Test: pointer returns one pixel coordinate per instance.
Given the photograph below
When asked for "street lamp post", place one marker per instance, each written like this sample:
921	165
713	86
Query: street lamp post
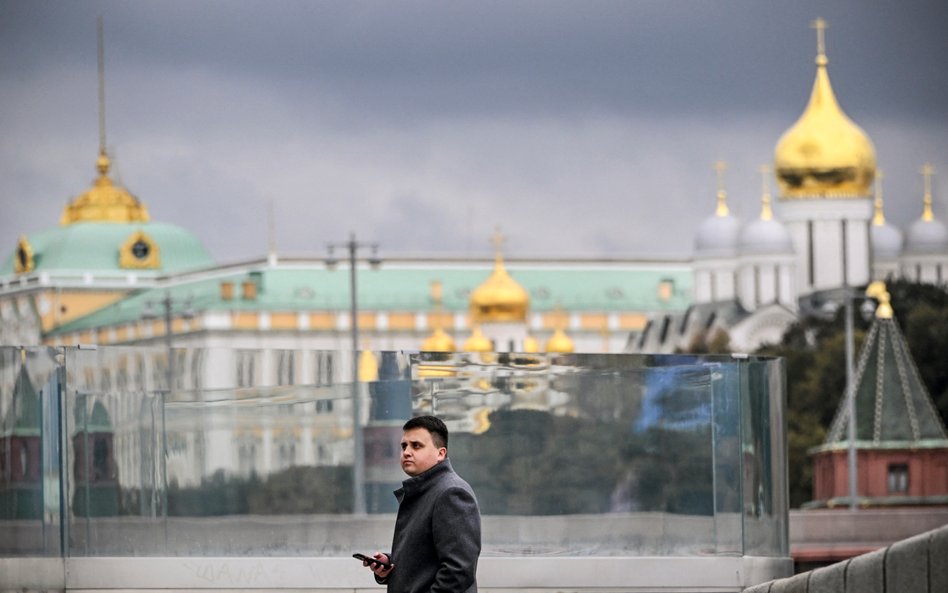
353	246
850	398
168	306
866	310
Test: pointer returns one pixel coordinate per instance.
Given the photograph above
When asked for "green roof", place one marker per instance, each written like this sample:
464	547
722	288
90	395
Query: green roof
407	288
94	247
892	403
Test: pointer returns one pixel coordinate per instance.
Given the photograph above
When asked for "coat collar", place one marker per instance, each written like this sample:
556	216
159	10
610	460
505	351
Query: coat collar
415	485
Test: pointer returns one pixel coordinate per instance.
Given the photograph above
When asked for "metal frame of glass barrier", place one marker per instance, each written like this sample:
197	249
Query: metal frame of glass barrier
570	455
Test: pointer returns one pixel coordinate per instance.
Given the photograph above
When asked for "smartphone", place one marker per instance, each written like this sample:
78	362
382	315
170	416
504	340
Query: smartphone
370	559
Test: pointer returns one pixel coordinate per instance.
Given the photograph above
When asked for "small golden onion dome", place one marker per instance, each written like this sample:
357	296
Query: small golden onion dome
824	154
478	342
104	201
531	344
559	342
438	341
877	290
499	298
368	367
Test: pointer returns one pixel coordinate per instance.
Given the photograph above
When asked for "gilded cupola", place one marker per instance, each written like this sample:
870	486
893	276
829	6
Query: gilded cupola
500	298
104	201
824	154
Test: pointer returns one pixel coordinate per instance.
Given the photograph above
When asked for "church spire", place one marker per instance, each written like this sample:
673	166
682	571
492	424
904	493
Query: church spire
104	201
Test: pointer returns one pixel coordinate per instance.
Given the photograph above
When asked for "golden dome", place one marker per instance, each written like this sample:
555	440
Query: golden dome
531	345
478	342
824	154
877	290
438	341
499	298
559	342
104	201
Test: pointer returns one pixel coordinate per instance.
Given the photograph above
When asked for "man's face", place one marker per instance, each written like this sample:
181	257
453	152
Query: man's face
419	453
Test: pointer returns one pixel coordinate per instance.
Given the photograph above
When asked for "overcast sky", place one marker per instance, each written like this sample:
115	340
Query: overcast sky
582	128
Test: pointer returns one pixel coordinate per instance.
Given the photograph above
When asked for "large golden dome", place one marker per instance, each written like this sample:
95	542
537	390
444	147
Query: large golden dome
824	154
499	298
104	201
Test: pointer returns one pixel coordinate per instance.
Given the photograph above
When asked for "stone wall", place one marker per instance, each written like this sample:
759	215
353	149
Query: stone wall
915	565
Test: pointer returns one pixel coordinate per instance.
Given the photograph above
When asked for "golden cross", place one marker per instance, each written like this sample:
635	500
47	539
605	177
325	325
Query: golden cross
927	171
821	26
878	217
764	171
497	239
720	167
722	209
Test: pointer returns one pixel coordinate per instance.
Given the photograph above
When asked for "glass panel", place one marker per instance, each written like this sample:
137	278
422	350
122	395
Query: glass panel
764	446
30	452
575	455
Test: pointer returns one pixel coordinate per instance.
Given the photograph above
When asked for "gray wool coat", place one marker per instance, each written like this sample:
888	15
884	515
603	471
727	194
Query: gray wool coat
437	534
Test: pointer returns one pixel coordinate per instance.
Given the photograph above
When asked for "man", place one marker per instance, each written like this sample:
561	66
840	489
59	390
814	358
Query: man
438	529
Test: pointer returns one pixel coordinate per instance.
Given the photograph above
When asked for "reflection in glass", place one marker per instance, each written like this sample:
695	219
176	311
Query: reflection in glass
252	452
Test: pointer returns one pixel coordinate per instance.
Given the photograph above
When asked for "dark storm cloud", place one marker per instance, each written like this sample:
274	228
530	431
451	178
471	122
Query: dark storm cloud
585	127
449	58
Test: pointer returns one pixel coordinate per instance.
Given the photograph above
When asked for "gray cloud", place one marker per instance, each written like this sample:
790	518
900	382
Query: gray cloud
583	128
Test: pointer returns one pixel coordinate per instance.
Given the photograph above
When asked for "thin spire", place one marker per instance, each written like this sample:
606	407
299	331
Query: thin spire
766	213
927	171
821	26
878	217
722	211
497	240
101	49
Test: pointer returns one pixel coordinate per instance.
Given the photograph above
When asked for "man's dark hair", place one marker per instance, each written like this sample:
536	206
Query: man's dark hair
439	432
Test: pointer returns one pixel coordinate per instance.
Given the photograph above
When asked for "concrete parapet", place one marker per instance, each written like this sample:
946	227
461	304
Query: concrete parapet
918	564
906	565
761	588
829	579
938	560
866	573
795	584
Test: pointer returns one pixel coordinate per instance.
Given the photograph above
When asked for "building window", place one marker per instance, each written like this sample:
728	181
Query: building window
324	368
246	363
324	406
286	367
898	478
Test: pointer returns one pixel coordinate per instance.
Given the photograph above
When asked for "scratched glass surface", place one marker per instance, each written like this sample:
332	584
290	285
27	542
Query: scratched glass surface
227	452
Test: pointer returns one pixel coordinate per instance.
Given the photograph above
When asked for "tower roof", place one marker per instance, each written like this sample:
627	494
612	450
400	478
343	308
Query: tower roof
719	234
824	154
927	234
886	240
766	235
893	407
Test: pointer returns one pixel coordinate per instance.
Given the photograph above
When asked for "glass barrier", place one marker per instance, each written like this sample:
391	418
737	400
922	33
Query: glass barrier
228	452
31	470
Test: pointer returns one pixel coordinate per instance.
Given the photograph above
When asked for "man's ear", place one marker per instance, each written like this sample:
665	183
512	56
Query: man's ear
442	453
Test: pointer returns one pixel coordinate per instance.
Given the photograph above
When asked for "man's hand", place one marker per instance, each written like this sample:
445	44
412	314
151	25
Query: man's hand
377	568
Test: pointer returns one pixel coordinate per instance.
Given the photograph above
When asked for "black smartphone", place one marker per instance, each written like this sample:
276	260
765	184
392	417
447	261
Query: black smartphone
370	559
